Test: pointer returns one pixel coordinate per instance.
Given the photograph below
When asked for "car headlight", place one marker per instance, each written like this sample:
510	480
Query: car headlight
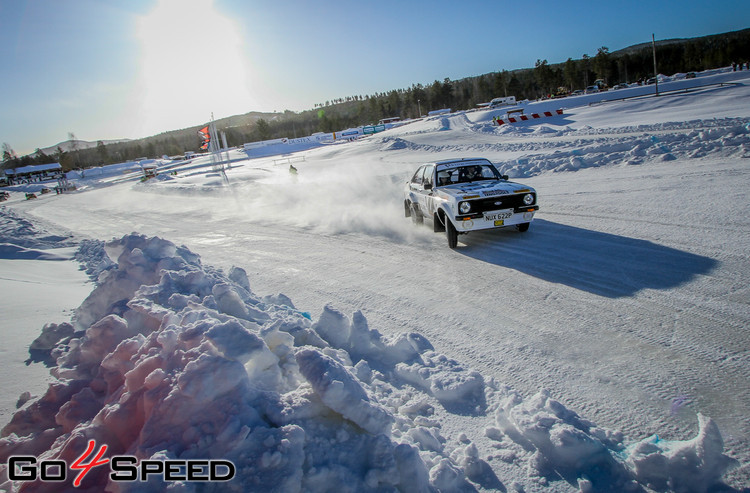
464	207
528	199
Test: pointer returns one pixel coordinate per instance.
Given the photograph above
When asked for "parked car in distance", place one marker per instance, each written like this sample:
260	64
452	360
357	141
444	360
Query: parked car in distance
506	101
620	86
652	80
577	92
592	90
470	194
690	75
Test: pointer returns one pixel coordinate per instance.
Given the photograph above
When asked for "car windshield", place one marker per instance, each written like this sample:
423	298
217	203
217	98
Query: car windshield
467	174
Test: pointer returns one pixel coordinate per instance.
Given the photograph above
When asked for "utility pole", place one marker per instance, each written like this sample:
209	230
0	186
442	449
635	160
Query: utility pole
656	73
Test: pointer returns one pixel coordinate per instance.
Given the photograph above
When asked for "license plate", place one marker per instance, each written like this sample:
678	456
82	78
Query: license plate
498	217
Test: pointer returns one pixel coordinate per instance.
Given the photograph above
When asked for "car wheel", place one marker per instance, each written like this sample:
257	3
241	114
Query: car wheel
451	233
416	216
407	209
523	227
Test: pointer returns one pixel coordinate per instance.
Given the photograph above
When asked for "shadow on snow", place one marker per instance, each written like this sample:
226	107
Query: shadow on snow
600	263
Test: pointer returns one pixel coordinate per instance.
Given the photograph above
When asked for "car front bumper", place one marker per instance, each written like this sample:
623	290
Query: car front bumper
494	219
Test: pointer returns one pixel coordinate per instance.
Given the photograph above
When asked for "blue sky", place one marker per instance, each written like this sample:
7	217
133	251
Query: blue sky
109	69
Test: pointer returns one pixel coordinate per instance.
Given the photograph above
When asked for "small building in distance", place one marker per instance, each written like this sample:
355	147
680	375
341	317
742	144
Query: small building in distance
32	173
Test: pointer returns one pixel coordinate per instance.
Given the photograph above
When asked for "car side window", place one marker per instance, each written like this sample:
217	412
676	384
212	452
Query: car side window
428	171
417	178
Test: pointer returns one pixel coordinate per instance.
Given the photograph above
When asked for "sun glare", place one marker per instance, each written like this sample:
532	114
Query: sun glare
192	64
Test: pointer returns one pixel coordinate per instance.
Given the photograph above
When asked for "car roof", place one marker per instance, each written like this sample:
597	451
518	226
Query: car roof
455	163
461	160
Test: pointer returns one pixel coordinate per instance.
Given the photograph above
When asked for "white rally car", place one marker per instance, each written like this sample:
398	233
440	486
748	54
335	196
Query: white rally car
462	195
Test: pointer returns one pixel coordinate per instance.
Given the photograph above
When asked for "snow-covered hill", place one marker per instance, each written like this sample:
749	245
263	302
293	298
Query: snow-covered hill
76	145
604	350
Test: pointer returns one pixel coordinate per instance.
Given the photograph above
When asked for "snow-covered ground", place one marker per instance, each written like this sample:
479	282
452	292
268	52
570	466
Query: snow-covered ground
606	349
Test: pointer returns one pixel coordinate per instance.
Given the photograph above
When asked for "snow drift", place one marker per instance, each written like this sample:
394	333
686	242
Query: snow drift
168	358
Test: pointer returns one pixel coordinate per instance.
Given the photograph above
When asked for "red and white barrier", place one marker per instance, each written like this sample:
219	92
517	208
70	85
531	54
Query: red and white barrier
523	118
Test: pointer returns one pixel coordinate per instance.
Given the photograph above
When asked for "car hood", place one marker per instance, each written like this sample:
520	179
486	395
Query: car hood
479	189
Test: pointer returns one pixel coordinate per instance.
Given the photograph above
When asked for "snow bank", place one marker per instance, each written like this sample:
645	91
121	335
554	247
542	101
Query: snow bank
563	445
19	231
689	465
587	147
10	251
168	358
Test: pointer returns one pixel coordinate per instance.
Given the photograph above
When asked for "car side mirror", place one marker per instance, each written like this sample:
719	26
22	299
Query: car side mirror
428	186
504	177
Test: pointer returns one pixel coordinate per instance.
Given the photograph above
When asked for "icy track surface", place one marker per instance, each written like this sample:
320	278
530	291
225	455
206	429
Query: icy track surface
627	303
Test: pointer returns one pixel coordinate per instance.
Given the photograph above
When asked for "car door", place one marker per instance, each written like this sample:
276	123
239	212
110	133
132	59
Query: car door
420	188
425	190
415	186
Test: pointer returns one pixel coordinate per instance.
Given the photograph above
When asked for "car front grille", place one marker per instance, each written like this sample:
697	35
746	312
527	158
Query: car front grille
500	202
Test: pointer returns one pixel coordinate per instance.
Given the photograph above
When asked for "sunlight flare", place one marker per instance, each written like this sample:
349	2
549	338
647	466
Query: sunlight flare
192	64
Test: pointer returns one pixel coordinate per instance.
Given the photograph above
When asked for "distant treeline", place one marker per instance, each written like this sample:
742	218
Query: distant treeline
628	65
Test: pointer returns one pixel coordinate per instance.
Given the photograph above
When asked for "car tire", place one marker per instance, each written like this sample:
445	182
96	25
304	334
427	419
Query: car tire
523	227
416	216
407	209
451	233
